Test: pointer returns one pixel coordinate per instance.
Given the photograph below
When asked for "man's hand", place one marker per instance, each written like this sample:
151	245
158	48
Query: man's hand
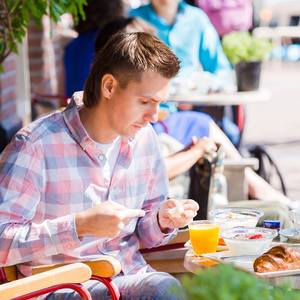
181	212
106	219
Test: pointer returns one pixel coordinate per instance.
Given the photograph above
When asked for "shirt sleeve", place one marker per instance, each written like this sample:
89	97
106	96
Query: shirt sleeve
21	182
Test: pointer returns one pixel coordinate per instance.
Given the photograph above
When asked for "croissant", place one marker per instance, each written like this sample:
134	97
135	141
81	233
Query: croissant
278	258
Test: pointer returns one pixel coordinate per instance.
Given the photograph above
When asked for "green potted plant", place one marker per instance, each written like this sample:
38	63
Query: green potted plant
225	282
246	54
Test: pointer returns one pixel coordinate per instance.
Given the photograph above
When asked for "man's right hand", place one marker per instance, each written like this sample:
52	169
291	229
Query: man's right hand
106	219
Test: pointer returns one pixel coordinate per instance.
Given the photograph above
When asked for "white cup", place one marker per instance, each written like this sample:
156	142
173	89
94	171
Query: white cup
295	218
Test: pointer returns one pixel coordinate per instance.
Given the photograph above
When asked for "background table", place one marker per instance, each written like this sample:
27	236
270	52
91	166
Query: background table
214	104
222	99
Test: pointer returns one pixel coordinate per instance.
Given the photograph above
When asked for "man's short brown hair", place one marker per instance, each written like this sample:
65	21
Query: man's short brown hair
126	56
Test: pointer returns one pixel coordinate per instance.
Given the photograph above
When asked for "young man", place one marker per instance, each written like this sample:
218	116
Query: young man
74	185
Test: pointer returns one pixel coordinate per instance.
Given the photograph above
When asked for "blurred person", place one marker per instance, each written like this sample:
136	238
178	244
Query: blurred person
189	33
79	53
75	185
228	15
181	152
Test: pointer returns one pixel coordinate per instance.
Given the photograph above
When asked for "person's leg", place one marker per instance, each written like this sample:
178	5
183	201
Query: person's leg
231	130
258	187
185	124
148	286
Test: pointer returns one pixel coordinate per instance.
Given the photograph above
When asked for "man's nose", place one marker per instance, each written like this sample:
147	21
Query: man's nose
152	115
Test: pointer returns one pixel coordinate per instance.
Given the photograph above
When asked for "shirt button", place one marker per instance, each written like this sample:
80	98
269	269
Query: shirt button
69	246
101	156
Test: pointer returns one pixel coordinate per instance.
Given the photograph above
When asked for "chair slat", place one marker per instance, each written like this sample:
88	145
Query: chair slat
75	273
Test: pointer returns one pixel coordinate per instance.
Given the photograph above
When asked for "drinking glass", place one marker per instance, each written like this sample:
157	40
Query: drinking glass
204	236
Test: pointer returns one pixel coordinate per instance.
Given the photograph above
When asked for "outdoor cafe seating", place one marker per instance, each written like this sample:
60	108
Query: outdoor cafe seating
46	279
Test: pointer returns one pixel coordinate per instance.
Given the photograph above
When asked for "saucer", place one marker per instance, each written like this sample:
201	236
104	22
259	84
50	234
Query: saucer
290	233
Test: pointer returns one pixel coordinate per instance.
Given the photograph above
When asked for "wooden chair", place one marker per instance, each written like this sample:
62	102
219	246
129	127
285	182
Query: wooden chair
46	279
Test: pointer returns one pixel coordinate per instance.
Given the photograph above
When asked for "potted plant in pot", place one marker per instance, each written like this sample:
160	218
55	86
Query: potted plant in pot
246	54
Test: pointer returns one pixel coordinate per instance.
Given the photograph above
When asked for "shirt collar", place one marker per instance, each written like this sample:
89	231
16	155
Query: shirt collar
73	122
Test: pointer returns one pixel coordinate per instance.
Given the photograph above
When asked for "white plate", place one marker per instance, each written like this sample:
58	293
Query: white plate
290	233
246	263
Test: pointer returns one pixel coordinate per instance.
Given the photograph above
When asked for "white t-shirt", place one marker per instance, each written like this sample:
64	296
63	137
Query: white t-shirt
111	152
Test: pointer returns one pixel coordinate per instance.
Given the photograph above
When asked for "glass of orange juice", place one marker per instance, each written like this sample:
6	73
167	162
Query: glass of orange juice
204	236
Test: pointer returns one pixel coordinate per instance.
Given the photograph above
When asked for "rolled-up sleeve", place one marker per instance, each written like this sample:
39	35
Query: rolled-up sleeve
21	239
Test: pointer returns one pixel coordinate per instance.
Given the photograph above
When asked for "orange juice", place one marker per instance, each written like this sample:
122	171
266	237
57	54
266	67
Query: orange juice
204	236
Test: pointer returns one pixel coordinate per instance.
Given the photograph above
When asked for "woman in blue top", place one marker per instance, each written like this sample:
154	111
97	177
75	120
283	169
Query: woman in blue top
189	33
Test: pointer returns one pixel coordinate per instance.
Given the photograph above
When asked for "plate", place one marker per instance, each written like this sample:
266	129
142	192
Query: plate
245	263
290	233
219	247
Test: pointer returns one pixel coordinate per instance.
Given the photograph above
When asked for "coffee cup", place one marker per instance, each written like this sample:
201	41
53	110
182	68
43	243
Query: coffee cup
295	218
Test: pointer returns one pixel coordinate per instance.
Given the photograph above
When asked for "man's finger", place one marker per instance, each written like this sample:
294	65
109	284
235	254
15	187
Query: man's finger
191	204
132	213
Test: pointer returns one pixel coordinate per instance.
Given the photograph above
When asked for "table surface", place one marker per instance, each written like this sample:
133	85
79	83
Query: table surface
222	99
193	264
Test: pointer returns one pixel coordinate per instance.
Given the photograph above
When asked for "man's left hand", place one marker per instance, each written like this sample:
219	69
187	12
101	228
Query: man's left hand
179	214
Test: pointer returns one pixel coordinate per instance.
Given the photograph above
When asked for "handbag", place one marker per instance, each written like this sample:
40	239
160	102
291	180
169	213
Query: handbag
204	181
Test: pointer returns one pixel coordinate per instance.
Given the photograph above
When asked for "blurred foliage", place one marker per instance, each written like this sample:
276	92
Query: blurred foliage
242	46
225	282
16	14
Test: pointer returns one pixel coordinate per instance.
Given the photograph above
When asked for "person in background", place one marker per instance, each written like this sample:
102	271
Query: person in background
182	152
190	34
79	53
228	15
91	180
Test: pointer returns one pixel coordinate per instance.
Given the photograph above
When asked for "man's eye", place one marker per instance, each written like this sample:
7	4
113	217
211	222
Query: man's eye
144	102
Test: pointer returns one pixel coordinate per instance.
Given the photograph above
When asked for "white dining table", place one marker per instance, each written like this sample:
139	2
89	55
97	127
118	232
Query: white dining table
222	98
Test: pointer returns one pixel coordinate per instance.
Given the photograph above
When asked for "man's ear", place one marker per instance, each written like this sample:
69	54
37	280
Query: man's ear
107	84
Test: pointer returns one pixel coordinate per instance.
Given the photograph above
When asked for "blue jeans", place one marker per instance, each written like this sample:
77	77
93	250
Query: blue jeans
148	286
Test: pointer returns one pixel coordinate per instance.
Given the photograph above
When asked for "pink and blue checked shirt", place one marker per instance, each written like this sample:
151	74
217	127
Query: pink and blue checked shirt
52	170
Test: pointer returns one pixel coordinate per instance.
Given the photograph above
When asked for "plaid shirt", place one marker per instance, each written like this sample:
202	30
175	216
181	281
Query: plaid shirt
52	170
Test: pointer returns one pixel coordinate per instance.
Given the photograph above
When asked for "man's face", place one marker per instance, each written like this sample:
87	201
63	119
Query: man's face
132	108
160	3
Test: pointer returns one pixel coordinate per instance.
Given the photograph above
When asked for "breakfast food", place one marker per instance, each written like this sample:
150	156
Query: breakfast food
248	240
221	242
176	211
230	219
248	236
278	258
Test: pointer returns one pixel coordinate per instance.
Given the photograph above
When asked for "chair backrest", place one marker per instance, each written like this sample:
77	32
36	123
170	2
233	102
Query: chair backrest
205	175
8	274
69	276
100	269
